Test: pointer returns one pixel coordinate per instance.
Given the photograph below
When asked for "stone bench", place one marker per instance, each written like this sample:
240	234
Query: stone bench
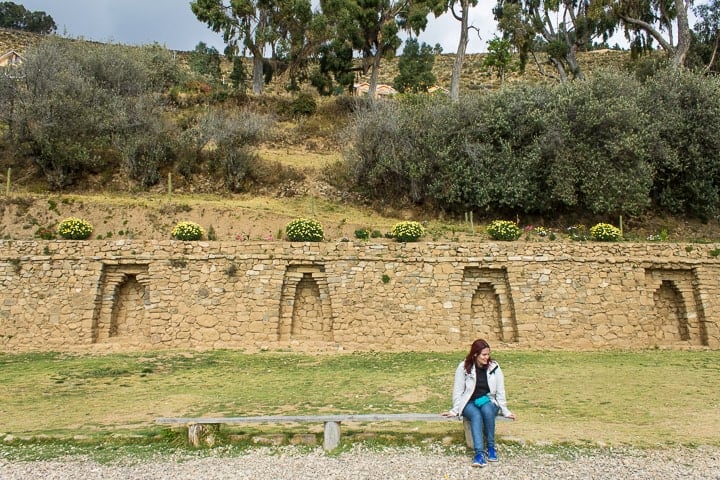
331	439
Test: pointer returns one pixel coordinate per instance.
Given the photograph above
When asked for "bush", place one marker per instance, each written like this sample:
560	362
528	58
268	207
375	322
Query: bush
604	232
304	230
362	233
100	97
73	228
504	230
303	105
407	231
187	231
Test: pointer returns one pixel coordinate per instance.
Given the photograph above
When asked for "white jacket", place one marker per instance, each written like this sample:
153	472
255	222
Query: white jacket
465	386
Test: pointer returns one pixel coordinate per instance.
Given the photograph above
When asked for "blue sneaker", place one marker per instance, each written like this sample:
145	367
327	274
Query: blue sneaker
492	454
479	461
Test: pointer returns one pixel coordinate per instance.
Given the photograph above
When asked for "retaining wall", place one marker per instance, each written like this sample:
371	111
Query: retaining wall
128	295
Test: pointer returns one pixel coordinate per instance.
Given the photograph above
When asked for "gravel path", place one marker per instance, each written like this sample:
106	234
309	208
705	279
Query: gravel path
390	463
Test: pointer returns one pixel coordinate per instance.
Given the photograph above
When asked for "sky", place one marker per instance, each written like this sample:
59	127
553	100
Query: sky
171	23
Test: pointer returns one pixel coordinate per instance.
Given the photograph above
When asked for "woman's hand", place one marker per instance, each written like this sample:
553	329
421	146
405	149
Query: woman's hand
511	416
448	414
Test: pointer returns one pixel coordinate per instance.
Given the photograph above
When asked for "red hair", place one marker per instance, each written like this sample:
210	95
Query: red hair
477	346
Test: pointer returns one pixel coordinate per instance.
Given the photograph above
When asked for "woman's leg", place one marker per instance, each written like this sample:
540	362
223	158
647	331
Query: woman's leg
488	412
473	413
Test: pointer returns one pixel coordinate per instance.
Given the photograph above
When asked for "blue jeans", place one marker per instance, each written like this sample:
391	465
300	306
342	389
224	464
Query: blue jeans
481	419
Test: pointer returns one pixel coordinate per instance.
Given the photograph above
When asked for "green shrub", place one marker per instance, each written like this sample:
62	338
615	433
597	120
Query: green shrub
376	234
604	232
73	228
187	231
407	231
304	230
303	105
504	230
362	233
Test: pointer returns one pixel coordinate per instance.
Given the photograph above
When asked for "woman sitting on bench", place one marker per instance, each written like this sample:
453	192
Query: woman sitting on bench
479	395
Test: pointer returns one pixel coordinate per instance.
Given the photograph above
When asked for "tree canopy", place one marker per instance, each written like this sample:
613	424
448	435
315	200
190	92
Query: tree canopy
664	22
559	27
415	66
18	17
257	26
372	28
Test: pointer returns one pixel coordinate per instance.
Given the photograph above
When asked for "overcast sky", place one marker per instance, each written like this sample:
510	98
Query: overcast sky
172	23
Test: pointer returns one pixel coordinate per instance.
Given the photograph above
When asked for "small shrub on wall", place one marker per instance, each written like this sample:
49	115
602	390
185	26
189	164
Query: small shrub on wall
504	230
304	230
604	232
362	234
73	228
407	231
187	231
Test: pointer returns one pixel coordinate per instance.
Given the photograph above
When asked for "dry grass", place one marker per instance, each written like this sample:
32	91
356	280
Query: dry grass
152	216
299	158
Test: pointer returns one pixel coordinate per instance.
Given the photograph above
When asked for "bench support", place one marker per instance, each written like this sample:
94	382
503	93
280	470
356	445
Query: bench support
331	438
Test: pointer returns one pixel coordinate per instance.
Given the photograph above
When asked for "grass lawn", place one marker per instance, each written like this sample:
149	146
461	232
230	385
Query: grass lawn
643	399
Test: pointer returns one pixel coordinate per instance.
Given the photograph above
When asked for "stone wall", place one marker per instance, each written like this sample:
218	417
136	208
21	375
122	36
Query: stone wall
129	295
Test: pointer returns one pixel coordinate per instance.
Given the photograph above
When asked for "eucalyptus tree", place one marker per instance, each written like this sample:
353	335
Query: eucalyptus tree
560	27
662	21
460	10
257	26
372	27
707	30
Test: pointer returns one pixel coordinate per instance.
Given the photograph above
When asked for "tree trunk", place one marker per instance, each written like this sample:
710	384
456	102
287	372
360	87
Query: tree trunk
560	69
374	75
573	64
256	47
714	54
460	56
258	77
684	36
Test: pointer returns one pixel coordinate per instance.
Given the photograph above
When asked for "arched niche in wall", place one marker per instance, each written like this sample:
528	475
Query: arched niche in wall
489	312
678	312
120	307
305	309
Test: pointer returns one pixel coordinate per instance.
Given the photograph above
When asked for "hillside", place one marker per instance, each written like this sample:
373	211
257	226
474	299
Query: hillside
298	155
475	76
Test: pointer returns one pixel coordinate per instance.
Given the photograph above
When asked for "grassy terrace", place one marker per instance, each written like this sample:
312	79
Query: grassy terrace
642	399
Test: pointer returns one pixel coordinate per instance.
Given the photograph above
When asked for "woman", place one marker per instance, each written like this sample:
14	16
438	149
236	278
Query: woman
479	395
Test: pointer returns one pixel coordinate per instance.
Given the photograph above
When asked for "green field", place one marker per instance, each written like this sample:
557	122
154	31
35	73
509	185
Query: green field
643	399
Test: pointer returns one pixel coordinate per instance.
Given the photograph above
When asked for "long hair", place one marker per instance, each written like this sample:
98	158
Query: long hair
477	346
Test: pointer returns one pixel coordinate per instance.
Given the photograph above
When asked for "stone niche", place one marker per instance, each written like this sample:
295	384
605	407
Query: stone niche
489	312
121	305
678	312
305	310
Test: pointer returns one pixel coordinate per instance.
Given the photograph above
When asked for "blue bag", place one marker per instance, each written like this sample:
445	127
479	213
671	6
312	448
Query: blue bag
479	402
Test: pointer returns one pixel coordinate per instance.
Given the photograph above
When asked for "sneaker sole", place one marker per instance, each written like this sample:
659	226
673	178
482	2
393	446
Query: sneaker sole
479	465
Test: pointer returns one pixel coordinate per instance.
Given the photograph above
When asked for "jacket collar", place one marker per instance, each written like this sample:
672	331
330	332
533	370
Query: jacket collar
492	366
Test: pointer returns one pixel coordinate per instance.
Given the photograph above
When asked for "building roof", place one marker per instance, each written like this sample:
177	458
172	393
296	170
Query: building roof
11	57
